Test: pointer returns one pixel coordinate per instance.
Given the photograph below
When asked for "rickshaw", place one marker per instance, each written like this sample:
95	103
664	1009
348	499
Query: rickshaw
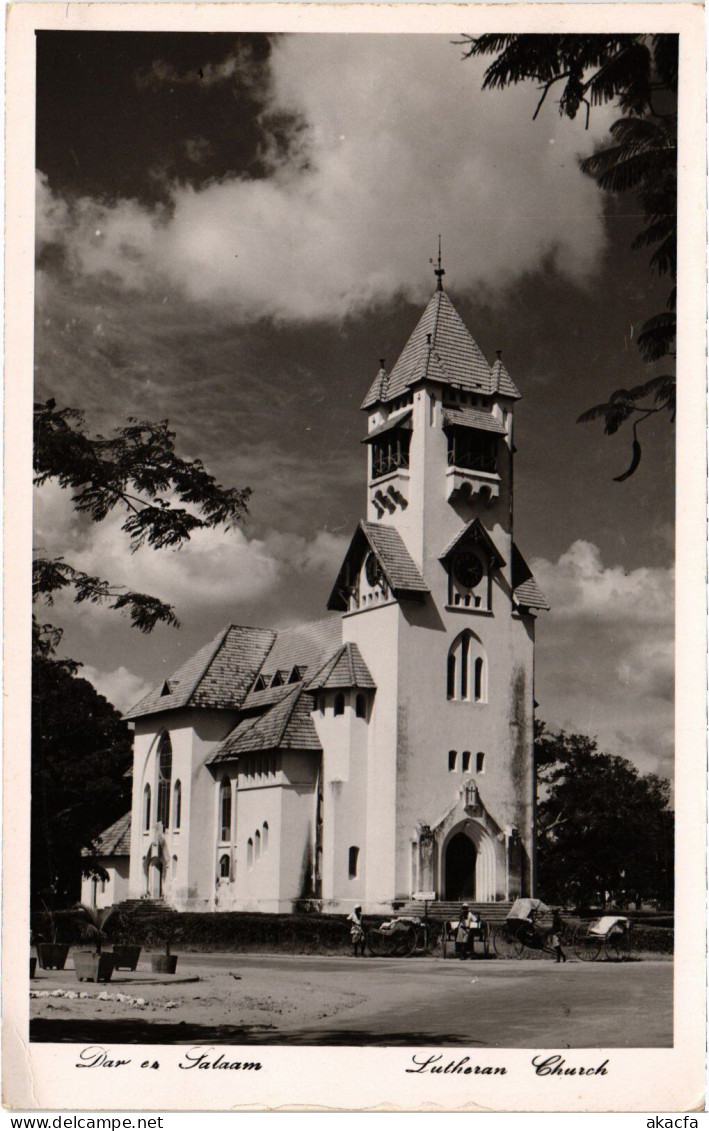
398	938
522	934
609	935
449	939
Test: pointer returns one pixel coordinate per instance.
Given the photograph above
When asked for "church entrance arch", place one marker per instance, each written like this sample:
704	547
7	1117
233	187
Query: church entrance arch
460	866
155	874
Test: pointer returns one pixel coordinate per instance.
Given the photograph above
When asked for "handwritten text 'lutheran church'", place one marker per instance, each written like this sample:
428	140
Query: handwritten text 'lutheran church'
385	750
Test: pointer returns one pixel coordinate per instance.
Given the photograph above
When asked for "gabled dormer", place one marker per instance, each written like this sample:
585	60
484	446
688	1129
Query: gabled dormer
471	561
377	570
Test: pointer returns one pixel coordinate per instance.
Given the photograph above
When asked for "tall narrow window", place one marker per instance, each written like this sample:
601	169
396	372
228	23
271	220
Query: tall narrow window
177	805
478	684
452	759
353	861
339	704
466	761
164	780
451	675
480	762
464	656
249	853
361	706
146	809
264	837
225	810
257	845
225	867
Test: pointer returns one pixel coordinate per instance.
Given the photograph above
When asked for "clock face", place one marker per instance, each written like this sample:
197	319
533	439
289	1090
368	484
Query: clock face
467	570
373	570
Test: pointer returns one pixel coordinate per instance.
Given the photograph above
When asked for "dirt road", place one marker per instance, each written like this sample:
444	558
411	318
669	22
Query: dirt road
278	999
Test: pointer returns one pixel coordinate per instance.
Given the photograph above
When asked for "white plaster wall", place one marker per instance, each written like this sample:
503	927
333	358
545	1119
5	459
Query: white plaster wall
189	879
376	633
113	890
344	740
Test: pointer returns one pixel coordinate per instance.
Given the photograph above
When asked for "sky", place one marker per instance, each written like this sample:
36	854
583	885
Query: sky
232	230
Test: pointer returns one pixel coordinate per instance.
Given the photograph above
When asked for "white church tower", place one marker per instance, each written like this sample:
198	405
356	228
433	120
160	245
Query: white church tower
386	751
439	602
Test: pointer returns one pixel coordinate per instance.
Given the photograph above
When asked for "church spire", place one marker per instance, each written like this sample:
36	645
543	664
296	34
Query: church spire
439	272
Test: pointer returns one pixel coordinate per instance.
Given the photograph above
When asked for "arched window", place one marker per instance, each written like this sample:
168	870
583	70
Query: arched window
339	704
465	673
257	845
249	853
352	862
361	706
264	837
480	762
164	779
146	809
177	805
466	761
225	810
452	759
225	867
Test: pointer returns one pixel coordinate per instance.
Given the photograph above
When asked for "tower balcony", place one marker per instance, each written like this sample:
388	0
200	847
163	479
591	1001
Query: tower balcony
466	483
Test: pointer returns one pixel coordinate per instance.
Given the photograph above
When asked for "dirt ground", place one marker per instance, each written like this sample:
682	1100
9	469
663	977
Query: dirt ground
257	999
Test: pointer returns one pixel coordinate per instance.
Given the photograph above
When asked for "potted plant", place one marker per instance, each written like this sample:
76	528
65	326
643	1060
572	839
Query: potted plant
165	963
51	953
94	965
125	954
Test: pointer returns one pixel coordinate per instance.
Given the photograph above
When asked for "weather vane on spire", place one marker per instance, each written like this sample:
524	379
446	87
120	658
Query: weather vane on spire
439	272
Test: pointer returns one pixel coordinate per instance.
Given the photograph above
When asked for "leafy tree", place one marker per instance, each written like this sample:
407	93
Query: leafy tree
602	827
81	749
640	73
134	471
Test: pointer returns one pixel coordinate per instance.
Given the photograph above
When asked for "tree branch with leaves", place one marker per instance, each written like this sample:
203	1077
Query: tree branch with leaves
640	74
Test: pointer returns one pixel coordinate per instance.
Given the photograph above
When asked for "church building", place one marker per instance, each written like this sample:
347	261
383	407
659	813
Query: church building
384	752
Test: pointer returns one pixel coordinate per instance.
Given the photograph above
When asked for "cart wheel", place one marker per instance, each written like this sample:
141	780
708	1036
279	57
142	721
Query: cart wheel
504	943
422	943
618	947
486	939
405	942
587	947
443	941
377	943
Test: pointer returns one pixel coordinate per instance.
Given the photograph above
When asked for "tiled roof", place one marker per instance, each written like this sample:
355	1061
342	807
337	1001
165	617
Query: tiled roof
377	390
115	840
467	417
286	726
502	382
304	645
452	357
345	669
393	422
400	570
525	590
474	531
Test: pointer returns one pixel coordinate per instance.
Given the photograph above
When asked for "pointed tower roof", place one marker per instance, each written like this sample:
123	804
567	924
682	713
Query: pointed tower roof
377	390
441	349
502	382
345	669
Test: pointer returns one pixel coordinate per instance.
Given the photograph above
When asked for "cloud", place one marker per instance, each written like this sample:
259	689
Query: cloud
121	687
389	140
197	149
215	570
240	63
605	654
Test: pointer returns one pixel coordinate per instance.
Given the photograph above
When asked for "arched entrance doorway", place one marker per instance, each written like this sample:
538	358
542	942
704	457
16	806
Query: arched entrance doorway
155	879
461	859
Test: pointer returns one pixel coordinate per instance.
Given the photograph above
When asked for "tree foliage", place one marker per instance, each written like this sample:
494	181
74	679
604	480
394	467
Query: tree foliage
605	831
164	499
81	749
640	74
